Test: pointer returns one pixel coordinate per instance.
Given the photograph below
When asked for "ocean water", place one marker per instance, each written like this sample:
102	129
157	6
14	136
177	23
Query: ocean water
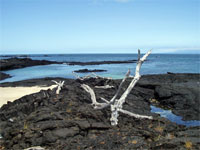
155	64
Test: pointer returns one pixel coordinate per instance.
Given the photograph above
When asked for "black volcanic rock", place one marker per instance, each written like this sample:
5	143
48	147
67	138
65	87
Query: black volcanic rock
15	63
4	76
68	121
178	92
86	70
32	82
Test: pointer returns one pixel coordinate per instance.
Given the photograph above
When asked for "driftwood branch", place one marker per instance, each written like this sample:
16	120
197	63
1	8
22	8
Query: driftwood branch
93	97
35	148
103	99
81	78
103	105
91	75
59	85
76	75
104	87
116	105
119	103
96	76
134	115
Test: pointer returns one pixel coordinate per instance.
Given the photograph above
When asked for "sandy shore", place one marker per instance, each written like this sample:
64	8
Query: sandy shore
13	93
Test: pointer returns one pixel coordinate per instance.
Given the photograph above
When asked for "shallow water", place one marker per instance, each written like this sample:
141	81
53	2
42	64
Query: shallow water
156	64
174	118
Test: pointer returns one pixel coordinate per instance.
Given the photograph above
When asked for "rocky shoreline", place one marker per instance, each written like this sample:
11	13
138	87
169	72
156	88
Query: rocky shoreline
68	121
4	76
16	63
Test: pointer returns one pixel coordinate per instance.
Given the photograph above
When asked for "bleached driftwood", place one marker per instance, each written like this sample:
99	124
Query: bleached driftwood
116	105
97	76
81	78
95	104
104	87
103	105
76	75
35	148
59	85
91	75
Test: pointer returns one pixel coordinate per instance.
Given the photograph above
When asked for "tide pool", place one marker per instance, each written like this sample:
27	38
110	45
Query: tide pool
174	118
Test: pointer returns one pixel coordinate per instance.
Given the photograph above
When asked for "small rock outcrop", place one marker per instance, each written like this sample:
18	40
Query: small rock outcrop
4	76
86	70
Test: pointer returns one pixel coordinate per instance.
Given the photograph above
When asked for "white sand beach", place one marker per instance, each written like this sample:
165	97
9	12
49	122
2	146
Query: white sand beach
13	93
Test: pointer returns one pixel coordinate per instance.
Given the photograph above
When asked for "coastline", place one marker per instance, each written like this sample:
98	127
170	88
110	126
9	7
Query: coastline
16	63
54	121
32	114
168	91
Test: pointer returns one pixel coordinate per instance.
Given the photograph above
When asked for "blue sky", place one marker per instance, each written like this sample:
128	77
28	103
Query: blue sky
99	26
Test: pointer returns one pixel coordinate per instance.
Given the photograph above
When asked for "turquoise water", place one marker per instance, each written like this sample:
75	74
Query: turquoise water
156	64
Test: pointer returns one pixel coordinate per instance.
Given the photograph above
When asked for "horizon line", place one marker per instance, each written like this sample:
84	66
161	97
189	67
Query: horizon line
92	53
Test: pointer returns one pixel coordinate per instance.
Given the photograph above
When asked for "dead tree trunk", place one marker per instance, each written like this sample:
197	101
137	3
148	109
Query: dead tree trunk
116	105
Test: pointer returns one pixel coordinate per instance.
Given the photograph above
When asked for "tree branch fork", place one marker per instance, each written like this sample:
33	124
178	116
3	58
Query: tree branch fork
116	105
